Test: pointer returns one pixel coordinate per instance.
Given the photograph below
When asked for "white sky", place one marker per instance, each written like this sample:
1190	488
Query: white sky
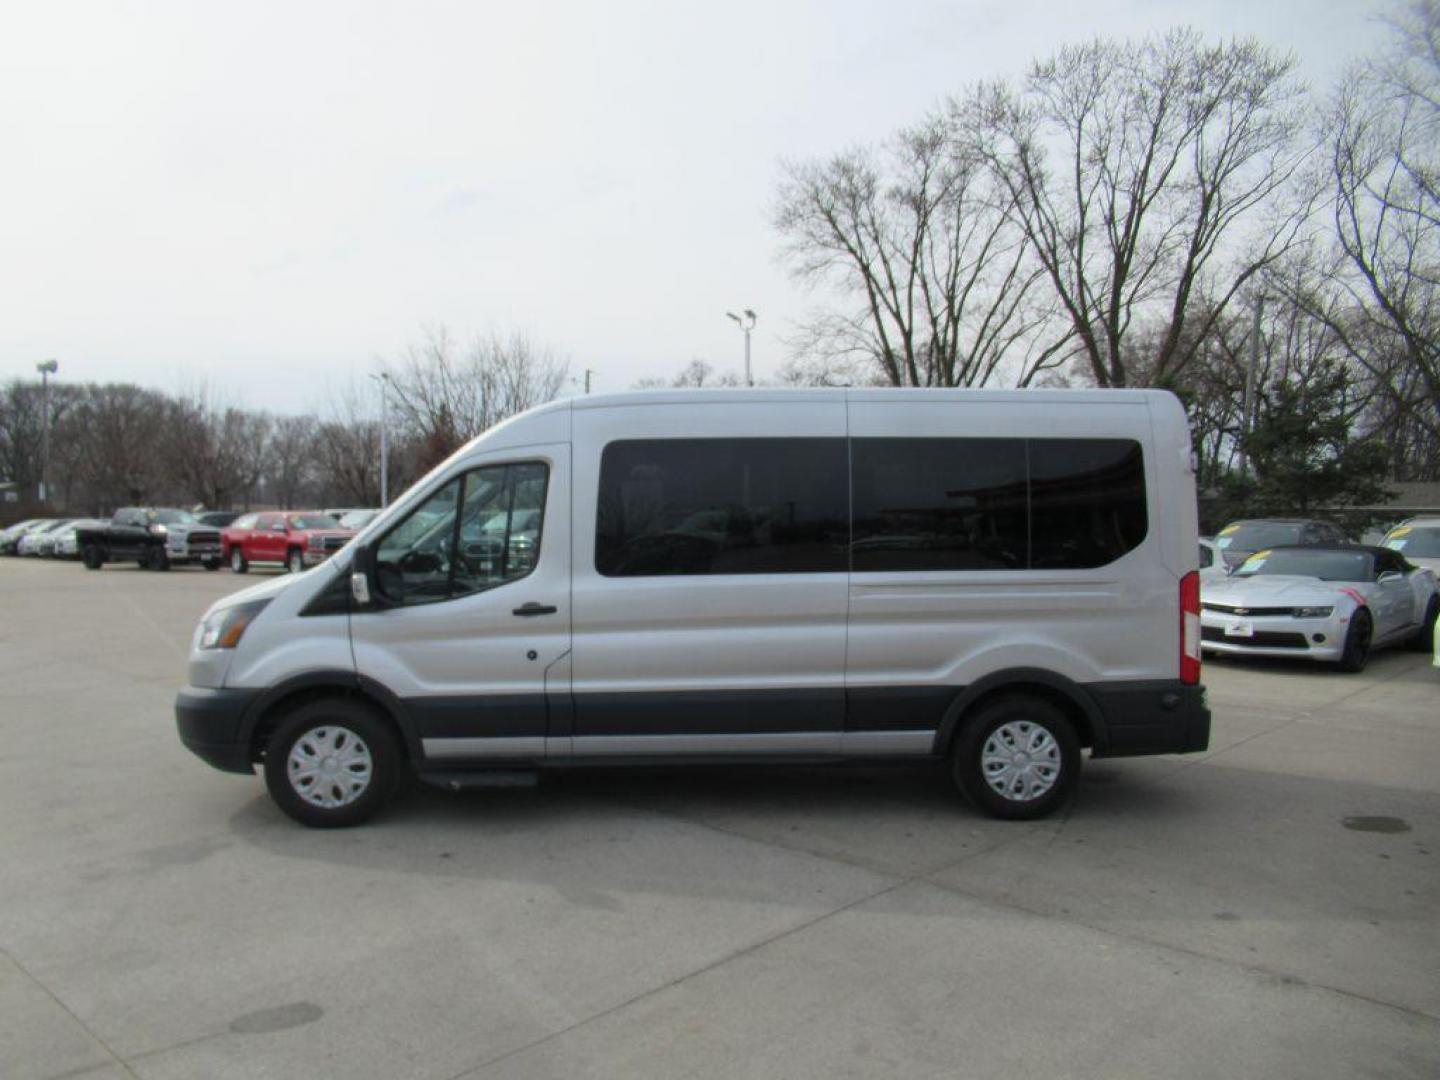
264	198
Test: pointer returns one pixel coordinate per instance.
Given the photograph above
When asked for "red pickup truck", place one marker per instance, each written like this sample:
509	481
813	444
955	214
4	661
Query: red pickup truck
296	539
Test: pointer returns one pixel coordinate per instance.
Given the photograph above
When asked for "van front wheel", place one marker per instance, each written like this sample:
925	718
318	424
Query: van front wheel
332	763
1017	758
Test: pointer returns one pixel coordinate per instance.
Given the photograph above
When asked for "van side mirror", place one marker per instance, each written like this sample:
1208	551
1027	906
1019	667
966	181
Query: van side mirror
360	588
363	590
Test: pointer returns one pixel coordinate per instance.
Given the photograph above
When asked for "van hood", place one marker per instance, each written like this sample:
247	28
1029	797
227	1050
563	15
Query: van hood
268	589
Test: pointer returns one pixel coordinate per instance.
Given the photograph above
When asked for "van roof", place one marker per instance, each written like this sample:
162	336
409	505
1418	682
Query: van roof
691	396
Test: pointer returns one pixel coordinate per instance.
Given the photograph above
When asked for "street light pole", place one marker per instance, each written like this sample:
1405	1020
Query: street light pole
1247	407
746	324
383	378
46	369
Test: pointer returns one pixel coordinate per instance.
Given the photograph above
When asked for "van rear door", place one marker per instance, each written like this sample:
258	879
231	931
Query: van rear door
995	532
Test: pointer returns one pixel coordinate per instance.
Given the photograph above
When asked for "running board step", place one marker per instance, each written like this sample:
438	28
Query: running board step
478	778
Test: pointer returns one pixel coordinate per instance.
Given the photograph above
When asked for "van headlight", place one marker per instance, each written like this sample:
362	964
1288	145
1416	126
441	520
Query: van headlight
223	629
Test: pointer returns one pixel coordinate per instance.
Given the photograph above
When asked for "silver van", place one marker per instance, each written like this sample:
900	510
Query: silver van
996	579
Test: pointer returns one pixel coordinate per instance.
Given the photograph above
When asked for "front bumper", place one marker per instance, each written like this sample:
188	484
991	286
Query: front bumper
1276	635
1160	717
183	549
211	726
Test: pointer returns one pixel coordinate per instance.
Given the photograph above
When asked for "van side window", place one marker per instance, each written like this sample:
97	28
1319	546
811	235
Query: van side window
722	506
480	530
1087	501
996	504
939	504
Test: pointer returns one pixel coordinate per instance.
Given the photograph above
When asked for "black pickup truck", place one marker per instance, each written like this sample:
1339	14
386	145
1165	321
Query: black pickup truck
155	538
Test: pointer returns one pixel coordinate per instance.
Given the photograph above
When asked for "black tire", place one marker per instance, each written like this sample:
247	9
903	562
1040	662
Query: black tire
1026	716
295	561
1357	642
346	723
237	561
92	556
1424	639
212	564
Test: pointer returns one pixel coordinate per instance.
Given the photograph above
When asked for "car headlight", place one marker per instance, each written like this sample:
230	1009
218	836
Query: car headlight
1313	612
159	530
223	629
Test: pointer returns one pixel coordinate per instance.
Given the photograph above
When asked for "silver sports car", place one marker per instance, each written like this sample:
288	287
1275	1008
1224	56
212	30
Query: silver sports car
1332	602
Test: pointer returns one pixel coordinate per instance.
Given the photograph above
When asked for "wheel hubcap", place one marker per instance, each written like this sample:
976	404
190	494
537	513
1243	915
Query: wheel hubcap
1020	760
330	767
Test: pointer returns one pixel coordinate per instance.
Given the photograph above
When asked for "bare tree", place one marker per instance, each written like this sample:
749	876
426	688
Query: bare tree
22	419
940	282
517	374
1384	126
124	429
347	451
1296	355
290	459
443	397
215	453
1138	171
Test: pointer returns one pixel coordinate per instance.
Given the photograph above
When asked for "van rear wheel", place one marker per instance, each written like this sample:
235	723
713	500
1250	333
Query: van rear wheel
1017	758
332	763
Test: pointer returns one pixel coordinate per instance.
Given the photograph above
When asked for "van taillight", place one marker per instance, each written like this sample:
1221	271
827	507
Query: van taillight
1190	628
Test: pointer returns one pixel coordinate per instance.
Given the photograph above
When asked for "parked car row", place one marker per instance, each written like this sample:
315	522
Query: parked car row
1305	591
158	538
46	537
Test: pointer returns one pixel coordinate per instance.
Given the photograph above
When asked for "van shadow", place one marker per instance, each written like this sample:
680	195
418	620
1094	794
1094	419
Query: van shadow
903	821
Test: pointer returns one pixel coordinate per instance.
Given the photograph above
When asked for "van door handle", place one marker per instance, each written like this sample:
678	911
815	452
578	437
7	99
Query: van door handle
535	609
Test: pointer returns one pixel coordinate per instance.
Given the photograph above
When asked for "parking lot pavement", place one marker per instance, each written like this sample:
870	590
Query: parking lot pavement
1267	908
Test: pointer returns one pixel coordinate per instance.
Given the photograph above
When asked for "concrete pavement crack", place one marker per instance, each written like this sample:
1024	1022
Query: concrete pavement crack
90	1032
897	882
476	1070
